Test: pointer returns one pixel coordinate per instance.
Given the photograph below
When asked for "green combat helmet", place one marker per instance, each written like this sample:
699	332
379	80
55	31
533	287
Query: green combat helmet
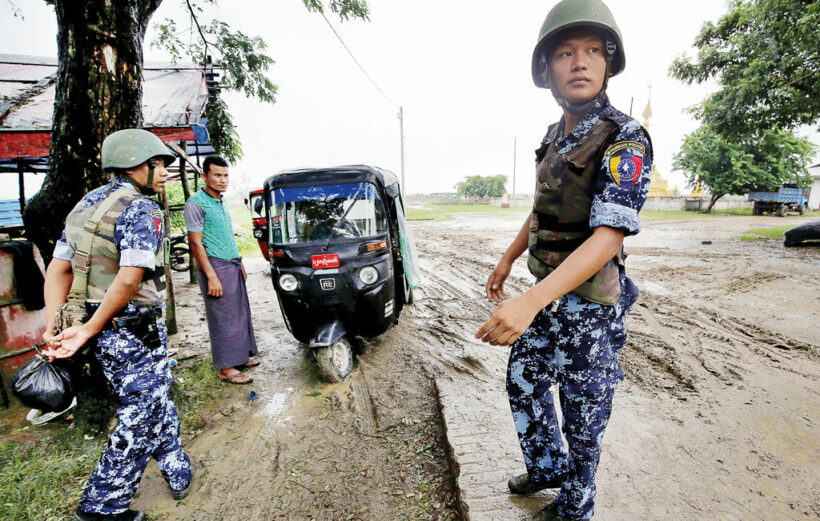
568	14
132	147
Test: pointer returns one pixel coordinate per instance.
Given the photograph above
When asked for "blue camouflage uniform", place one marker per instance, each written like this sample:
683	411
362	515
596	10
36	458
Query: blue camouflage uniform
148	425
575	342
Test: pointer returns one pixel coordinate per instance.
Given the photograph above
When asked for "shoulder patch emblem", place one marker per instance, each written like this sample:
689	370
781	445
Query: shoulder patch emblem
624	161
157	215
621	145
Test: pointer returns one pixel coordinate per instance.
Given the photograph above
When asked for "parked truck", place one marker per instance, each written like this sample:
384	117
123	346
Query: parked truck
786	199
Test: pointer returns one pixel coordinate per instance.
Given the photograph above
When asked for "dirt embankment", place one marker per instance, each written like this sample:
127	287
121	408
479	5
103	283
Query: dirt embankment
717	418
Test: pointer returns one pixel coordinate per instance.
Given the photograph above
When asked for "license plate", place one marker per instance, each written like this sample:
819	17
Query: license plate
320	262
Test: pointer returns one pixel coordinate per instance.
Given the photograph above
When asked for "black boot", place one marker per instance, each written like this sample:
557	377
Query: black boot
523	486
128	515
182	494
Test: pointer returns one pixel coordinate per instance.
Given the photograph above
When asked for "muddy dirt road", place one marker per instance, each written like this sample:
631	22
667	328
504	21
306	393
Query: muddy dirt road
717	419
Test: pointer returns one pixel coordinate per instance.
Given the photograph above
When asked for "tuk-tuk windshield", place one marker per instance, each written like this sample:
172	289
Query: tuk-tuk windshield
323	212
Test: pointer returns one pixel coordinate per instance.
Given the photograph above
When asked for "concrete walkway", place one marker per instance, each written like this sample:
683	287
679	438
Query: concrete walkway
484	449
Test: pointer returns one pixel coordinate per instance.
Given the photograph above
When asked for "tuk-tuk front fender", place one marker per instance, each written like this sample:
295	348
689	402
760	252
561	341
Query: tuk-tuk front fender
328	333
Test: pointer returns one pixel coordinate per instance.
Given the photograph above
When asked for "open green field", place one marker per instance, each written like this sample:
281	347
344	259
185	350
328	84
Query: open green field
443	211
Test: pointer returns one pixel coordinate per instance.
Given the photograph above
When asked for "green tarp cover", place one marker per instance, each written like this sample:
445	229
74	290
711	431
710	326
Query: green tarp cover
408	249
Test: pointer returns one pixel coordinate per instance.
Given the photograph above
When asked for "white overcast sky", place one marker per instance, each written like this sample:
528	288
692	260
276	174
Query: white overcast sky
460	69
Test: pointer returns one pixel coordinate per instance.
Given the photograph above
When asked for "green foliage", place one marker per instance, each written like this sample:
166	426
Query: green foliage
224	137
344	8
728	166
241	61
765	56
482	186
176	196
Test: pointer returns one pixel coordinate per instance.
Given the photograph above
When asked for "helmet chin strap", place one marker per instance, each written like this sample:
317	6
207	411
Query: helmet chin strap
583	108
148	188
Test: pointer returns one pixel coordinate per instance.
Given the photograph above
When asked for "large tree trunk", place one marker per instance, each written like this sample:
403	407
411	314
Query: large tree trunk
98	91
712	202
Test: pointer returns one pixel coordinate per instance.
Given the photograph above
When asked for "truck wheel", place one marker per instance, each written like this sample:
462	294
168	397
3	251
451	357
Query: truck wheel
336	361
757	209
782	210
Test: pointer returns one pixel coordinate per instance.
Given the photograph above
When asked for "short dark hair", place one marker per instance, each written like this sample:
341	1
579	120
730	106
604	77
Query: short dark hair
213	160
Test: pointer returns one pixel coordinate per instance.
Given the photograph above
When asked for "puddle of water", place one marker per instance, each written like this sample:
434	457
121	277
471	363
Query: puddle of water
274	405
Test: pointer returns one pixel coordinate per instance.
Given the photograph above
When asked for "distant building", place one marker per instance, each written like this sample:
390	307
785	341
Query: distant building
658	186
814	195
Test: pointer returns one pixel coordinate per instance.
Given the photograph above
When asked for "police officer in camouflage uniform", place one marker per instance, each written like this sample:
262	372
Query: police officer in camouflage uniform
106	288
592	177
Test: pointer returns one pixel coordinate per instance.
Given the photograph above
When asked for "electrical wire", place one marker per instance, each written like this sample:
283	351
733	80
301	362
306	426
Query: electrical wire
357	62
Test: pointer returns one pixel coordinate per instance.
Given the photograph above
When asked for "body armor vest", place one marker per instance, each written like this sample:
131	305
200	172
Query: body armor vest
96	259
563	201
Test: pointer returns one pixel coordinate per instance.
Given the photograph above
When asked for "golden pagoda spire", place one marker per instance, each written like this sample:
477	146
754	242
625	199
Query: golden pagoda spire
658	186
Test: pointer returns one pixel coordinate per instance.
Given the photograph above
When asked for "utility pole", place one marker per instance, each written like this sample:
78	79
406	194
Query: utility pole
401	132
515	143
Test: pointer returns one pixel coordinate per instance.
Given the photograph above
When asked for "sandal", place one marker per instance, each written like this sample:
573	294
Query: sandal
236	379
247	365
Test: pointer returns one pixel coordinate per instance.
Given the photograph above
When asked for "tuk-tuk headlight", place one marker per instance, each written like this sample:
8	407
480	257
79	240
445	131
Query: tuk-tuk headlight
258	233
368	275
288	282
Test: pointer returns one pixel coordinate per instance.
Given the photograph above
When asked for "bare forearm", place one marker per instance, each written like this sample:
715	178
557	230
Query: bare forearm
582	264
520	243
201	256
55	291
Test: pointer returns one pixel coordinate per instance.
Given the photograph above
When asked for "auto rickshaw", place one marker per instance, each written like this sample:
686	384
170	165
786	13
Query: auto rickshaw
342	259
255	202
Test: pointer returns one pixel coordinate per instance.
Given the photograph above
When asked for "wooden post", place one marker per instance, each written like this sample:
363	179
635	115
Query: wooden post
170	308
186	191
21	179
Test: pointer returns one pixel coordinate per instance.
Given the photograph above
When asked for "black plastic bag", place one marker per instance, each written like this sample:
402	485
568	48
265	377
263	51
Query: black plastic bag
43	385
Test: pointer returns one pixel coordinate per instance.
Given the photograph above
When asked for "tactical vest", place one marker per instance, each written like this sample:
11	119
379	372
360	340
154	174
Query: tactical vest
561	211
96	259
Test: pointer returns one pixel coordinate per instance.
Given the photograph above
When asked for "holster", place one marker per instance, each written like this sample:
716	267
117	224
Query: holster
143	325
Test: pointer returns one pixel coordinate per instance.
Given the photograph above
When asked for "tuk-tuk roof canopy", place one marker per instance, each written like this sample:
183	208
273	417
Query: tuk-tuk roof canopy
338	174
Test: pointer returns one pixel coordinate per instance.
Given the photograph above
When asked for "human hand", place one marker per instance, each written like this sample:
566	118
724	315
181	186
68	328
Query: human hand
214	286
509	321
49	336
244	273
67	343
495	282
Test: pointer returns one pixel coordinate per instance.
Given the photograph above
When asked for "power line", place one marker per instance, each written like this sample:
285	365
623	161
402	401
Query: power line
357	62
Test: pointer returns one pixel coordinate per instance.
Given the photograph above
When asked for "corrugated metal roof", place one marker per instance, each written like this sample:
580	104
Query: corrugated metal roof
174	95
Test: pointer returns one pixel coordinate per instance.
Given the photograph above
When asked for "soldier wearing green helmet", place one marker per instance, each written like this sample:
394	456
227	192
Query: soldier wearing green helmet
592	177
105	291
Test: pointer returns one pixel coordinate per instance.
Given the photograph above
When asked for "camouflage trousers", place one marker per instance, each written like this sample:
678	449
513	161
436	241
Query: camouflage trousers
574	344
148	425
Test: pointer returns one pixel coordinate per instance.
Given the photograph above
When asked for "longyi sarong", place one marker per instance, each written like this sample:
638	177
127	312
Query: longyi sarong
229	316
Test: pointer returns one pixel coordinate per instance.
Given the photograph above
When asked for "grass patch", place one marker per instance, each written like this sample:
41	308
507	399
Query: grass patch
245	241
444	211
765	234
44	470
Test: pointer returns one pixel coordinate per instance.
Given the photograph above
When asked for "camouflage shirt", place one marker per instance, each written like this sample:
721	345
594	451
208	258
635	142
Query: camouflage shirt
620	188
138	234
626	167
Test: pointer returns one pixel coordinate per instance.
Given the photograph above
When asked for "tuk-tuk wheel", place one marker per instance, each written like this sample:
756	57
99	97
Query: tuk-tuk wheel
336	361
